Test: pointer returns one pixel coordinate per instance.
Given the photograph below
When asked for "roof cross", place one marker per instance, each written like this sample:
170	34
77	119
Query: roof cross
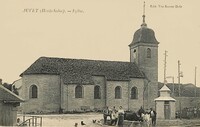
144	13
143	23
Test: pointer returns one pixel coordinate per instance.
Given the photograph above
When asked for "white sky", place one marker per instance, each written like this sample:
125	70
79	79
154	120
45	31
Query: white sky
102	32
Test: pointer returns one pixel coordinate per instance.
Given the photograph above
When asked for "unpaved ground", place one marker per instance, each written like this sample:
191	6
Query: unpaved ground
68	120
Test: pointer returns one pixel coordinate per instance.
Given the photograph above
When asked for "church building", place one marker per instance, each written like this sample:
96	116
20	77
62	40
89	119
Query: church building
55	84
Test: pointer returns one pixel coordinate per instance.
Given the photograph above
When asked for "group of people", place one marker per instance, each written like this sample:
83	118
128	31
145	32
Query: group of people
148	117
117	116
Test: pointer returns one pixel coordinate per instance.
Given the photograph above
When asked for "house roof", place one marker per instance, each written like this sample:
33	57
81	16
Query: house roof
75	71
8	96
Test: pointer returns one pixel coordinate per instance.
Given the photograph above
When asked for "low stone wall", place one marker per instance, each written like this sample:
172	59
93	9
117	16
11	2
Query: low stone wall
187	102
178	122
166	123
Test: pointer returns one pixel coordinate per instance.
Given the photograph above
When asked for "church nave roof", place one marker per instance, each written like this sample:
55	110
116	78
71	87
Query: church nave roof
81	71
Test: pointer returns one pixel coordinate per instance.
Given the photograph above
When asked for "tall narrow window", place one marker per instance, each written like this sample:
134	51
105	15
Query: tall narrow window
148	53
97	93
134	53
33	91
79	92
134	93
118	91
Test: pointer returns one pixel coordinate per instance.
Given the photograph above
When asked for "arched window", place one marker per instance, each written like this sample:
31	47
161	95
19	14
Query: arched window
118	91
148	53
33	91
134	53
134	93
79	92
97	92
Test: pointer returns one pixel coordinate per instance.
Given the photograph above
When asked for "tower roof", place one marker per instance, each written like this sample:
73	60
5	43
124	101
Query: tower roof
144	34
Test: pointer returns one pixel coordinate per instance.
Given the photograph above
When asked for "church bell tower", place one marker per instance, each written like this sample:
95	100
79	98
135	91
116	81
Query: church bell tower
144	52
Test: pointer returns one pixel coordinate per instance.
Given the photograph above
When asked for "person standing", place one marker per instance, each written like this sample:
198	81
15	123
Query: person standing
114	116
106	113
141	111
19	122
153	116
146	119
120	116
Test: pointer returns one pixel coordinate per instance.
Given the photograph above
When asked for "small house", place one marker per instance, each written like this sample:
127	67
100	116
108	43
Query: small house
8	107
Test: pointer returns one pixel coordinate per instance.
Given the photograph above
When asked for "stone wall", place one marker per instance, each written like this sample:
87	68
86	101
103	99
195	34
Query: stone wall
70	103
135	104
111	101
160	109
48	93
125	101
75	104
173	110
150	68
100	81
51	98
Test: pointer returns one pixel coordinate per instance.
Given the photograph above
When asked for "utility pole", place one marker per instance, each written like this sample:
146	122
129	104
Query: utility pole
173	85
165	69
172	77
165	66
179	88
195	83
179	78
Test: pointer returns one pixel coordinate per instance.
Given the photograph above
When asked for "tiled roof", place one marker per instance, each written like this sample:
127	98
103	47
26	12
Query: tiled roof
164	88
81	70
145	35
8	96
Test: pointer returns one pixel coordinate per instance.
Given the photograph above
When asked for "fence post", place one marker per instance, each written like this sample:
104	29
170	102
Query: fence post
35	121
24	117
32	120
41	121
29	120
